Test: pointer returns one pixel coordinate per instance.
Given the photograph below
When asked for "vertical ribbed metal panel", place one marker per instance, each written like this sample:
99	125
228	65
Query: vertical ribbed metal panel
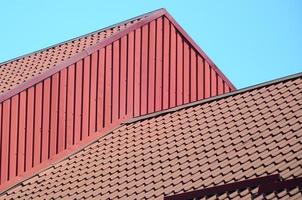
150	69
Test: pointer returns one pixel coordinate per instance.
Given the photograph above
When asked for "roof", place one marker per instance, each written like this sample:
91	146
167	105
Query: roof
246	134
148	66
21	69
22	72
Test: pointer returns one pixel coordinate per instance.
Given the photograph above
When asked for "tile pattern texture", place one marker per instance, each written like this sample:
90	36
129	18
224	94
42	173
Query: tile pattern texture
149	66
254	133
24	68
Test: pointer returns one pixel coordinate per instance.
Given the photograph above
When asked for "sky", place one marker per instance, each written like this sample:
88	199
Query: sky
250	41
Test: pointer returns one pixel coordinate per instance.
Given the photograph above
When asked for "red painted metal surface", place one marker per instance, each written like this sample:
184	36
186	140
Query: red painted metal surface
150	67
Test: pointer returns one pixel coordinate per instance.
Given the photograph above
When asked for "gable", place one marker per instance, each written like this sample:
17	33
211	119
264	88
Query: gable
149	65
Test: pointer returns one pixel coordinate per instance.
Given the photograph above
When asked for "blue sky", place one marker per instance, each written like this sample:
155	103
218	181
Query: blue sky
250	41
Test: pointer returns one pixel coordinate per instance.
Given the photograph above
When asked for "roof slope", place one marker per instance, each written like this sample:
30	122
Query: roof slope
16	71
93	83
36	66
246	134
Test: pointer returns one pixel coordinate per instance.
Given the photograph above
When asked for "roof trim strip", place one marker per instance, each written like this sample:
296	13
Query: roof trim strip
79	37
199	50
64	64
207	100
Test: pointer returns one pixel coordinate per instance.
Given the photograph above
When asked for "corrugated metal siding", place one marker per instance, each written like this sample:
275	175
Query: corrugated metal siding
150	69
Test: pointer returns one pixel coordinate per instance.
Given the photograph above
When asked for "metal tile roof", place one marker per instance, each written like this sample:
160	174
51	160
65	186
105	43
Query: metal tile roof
242	135
50	107
18	74
21	69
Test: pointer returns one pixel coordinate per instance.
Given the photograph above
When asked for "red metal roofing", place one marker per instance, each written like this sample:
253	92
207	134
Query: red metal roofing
20	73
75	91
233	137
17	71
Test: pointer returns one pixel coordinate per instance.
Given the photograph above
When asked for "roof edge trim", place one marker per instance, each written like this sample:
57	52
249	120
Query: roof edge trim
81	36
207	100
64	64
199	50
89	50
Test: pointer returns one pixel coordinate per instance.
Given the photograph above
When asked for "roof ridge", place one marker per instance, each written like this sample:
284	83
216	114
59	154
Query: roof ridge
214	98
81	36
